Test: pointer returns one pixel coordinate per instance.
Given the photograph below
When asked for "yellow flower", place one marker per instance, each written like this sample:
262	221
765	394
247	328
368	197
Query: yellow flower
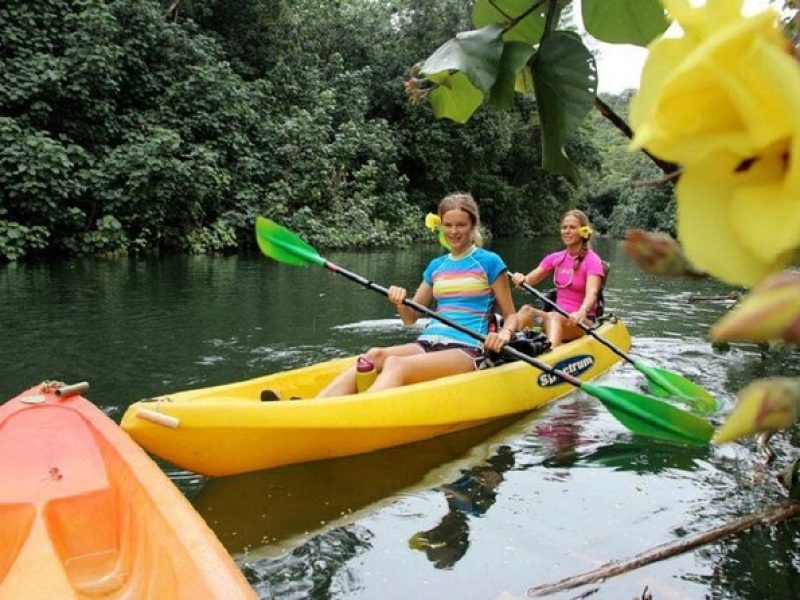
433	222
714	88
769	312
585	232
740	224
766	405
722	100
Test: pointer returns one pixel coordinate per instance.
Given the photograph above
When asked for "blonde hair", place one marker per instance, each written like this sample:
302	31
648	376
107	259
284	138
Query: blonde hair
464	201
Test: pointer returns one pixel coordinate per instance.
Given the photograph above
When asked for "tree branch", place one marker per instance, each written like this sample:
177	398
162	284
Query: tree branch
172	11
774	515
670	169
519	18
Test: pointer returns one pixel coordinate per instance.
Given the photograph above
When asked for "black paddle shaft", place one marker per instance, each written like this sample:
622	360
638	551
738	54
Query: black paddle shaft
608	344
434	315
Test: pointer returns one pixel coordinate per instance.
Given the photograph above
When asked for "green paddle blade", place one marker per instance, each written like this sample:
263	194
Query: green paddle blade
651	417
284	246
666	384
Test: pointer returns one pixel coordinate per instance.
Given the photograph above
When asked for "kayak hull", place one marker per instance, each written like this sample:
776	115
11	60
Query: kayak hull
84	512
225	430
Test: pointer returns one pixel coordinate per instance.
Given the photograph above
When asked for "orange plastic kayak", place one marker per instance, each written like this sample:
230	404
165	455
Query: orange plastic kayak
85	513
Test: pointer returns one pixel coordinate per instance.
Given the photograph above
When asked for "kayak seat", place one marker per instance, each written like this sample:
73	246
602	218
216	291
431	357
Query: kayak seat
272	395
530	343
91	535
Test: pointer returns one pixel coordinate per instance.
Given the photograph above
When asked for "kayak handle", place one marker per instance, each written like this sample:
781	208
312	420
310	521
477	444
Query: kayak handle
67	391
158	418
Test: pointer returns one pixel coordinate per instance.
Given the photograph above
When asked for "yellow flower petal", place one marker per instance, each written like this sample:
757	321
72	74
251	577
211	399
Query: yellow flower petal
707	90
711	241
432	221
740	220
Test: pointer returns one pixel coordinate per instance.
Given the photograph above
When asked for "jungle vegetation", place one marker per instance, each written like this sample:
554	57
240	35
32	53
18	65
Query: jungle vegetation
133	126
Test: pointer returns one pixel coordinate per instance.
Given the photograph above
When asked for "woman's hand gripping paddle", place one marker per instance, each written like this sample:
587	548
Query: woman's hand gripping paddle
661	382
640	413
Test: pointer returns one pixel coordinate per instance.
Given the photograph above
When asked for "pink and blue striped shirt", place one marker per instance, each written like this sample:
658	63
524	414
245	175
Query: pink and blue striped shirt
462	288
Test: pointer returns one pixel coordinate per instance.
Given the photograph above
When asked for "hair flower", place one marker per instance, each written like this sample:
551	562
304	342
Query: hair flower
434	223
585	232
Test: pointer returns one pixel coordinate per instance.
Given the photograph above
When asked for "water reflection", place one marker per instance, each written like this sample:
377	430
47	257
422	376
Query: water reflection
316	569
561	434
760	563
642	456
581	489
471	495
277	509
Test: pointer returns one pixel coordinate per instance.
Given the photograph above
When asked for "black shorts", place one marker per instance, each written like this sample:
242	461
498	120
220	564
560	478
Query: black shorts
476	354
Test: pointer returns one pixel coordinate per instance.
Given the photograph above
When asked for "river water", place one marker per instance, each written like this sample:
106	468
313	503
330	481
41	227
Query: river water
486	513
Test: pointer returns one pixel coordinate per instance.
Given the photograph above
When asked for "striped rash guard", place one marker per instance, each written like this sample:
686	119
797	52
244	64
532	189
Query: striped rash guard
463	293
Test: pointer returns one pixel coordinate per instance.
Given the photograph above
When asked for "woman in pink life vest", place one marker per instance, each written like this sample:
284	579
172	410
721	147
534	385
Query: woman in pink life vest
577	272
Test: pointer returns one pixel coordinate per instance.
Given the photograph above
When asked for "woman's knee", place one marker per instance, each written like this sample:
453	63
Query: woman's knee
526	316
377	356
395	367
553	318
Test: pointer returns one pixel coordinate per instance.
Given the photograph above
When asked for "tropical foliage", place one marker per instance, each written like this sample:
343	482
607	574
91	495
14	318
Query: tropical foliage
133	126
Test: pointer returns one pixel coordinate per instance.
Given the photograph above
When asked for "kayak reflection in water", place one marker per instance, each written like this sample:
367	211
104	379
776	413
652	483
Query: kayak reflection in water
469	496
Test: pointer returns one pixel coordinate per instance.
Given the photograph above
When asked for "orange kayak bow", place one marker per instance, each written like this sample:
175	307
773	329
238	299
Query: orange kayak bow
84	512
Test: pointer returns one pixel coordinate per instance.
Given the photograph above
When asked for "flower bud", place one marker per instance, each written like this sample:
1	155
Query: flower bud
765	405
656	253
771	311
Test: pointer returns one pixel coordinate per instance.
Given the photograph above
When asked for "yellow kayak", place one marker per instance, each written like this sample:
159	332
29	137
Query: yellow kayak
227	429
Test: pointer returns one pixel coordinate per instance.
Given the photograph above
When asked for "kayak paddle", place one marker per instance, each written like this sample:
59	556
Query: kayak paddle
640	413
661	382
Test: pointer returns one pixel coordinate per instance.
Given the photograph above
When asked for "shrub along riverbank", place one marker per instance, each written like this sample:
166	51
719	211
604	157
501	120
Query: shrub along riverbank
129	126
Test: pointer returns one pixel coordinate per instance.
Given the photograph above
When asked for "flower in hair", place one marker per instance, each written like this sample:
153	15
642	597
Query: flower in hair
585	232
434	223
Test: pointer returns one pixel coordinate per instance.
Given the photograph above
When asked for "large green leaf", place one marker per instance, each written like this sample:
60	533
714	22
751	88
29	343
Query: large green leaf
475	53
503	12
624	21
565	81
515	57
455	98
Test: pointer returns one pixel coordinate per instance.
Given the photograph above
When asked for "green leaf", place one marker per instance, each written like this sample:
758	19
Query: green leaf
475	53
515	57
503	12
624	21
565	81
455	98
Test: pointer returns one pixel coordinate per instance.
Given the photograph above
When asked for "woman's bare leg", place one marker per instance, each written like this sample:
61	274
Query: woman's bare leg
402	370
527	316
345	382
560	330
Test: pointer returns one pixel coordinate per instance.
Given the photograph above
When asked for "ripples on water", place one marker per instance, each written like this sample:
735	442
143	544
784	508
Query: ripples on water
476	514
